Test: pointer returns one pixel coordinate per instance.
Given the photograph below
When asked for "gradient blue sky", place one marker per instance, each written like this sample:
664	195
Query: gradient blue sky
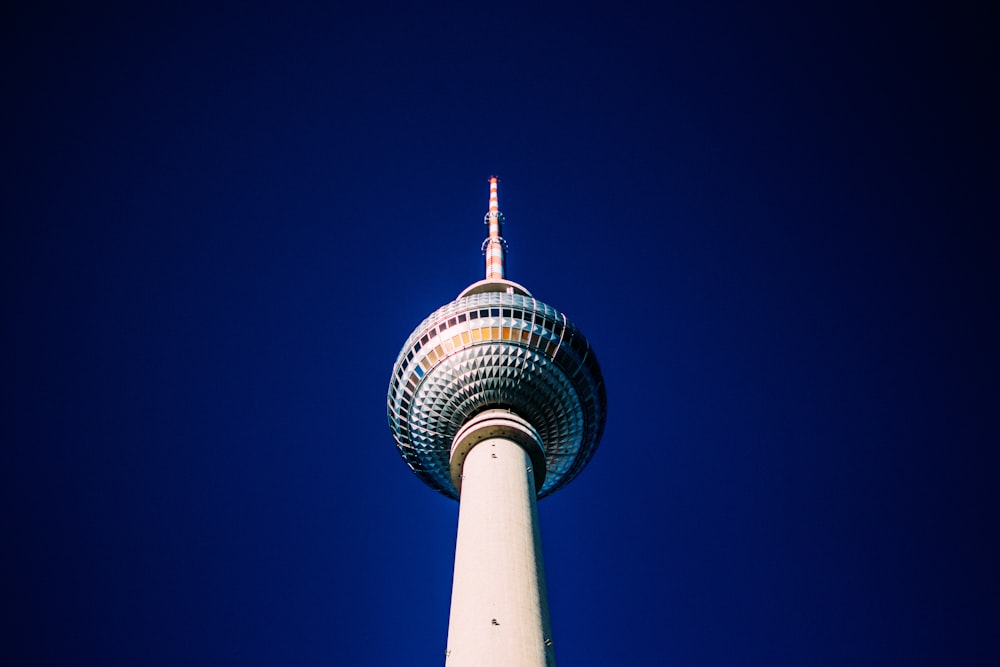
774	223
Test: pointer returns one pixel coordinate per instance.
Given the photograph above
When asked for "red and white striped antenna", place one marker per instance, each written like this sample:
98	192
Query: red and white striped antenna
494	246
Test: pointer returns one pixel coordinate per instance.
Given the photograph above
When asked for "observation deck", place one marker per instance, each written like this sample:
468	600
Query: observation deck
496	347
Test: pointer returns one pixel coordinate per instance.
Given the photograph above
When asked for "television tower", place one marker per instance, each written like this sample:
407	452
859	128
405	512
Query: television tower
497	400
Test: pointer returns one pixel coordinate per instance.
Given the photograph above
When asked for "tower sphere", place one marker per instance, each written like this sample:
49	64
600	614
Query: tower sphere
496	347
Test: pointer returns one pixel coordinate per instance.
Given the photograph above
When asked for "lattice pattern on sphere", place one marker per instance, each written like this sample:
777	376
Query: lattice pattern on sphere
493	350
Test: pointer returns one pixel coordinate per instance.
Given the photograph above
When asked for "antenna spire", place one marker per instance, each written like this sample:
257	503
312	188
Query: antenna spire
494	246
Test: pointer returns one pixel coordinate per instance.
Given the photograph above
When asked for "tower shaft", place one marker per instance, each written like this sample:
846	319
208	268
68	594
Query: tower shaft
496	399
499	607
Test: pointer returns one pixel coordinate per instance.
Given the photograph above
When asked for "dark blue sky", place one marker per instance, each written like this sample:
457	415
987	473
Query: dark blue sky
774	224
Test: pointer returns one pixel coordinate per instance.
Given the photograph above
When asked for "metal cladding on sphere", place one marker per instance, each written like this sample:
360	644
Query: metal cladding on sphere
496	350
496	347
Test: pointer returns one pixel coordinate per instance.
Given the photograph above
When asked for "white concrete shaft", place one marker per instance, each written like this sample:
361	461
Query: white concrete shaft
499	608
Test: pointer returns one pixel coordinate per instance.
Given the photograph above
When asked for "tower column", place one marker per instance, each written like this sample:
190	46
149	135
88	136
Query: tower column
458	394
499	608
